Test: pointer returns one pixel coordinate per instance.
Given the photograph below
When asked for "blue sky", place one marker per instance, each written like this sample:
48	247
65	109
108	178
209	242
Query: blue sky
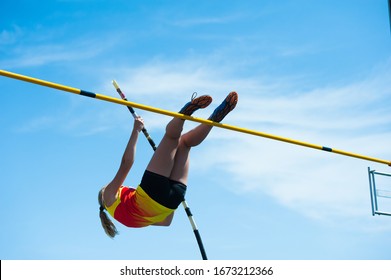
316	71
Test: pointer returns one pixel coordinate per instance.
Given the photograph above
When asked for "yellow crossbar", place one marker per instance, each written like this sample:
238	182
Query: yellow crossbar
190	118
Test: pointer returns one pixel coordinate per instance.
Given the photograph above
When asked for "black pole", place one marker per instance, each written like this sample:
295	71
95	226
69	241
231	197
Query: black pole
389	12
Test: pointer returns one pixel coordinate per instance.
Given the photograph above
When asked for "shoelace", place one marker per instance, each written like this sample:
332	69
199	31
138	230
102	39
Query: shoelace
193	96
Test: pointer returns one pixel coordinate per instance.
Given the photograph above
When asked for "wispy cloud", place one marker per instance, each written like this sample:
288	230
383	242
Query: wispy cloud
8	37
196	21
37	124
29	48
75	119
171	83
45	54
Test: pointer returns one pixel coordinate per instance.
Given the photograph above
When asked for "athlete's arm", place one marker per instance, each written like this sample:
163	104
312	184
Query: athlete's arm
109	194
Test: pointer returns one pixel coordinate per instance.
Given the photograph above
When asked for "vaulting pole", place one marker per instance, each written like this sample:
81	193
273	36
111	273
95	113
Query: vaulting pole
389	12
134	114
190	118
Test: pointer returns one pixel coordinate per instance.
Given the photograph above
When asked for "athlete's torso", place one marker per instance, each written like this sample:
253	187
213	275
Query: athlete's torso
134	208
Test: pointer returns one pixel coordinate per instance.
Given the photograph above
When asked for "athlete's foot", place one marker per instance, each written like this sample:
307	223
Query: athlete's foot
227	106
195	104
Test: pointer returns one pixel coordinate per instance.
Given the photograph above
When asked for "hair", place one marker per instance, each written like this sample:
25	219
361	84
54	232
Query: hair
107	224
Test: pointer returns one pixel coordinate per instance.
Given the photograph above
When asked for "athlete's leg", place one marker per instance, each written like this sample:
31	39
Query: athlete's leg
188	140
195	137
162	161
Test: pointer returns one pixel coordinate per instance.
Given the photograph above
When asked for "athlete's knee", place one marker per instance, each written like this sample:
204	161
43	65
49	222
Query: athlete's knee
173	131
185	142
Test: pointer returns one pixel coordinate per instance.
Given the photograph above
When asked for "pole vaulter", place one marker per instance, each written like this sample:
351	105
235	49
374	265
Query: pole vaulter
184	203
190	118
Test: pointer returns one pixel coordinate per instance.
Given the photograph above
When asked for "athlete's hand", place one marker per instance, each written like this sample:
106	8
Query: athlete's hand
138	124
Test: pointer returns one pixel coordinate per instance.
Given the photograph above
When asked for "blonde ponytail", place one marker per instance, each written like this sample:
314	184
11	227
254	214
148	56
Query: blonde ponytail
107	224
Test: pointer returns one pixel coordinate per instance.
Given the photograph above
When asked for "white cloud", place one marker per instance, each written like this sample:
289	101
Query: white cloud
10	36
190	22
49	53
29	48
37	124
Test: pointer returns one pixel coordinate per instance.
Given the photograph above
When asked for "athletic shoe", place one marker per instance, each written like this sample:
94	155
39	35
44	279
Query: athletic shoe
195	104
227	106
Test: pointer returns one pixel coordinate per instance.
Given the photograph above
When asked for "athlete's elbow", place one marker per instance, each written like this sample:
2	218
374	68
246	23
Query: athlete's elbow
127	162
